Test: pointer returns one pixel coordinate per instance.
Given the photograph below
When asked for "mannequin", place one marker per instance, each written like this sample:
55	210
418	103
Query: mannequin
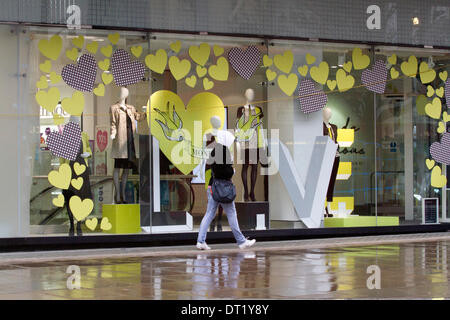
123	125
252	146
330	130
85	191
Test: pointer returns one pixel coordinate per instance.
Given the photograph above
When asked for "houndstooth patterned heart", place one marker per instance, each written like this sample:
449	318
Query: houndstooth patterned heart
82	75
311	99
375	79
441	151
244	62
67	144
124	70
447	92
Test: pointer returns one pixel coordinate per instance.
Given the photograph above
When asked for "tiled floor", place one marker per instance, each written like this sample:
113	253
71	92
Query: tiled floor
408	270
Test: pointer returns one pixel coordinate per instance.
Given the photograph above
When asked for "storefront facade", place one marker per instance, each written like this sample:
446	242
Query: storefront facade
386	96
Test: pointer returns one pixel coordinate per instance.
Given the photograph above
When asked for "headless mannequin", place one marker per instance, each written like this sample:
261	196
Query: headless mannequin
327	114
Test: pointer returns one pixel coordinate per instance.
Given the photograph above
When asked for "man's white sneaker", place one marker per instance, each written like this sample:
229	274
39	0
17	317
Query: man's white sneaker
247	244
203	246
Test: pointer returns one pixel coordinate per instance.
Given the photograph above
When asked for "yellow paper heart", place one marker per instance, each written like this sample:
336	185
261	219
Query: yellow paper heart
200	54
201	71
48	100
437	179
303	70
79	168
55	78
421	102
191	81
267	62
179	68
58	119
136	51
310	59
92	47
61	178
220	71
409	68
446	116
157	62
51	48
74	105
348	66
107	78
430	91
58	201
426	74
77	183
270	74
320	74
46	67
441	128
207	84
114	38
433	109
430	164
392	59
80	209
42	83
331	84
100	90
344	81
394	73
360	60
91	224
78	41
443	75
218	51
72	54
284	62
105	225
175	46
106	51
288	84
440	92
104	64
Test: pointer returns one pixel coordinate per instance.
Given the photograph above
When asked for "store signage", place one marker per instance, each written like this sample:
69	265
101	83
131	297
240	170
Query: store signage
374	20
430	210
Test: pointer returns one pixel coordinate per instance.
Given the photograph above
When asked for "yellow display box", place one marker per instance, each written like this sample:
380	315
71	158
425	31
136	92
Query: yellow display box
360	221
124	218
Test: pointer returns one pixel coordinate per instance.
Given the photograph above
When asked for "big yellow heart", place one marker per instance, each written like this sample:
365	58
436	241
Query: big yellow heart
106	51
409	68
394	73
78	41
107	78
201	71
443	75
207	84
392	59
179	68
320	74
446	116
344	81
200	54
42	83
157	62
348	66
267	62
77	183
136	51
104	64
91	224
360	60
440	92
58	201
114	38
426	75
421	102
310	59
175	46
284	62
437	179
61	178
220	71
92	47
441	127
270	74
303	70
72	54
80	209
218	51
79	168
48	100
430	91
46	67
430	164
54	77
288	84
51	48
331	84
105	225
434	108
191	81
200	108
100	90
74	105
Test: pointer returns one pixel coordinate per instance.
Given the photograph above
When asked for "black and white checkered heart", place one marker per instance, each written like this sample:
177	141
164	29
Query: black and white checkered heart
126	72
244	62
375	79
82	75
441	151
447	92
311	99
67	144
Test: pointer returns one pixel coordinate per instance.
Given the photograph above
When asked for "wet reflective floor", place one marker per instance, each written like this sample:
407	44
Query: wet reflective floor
406	270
